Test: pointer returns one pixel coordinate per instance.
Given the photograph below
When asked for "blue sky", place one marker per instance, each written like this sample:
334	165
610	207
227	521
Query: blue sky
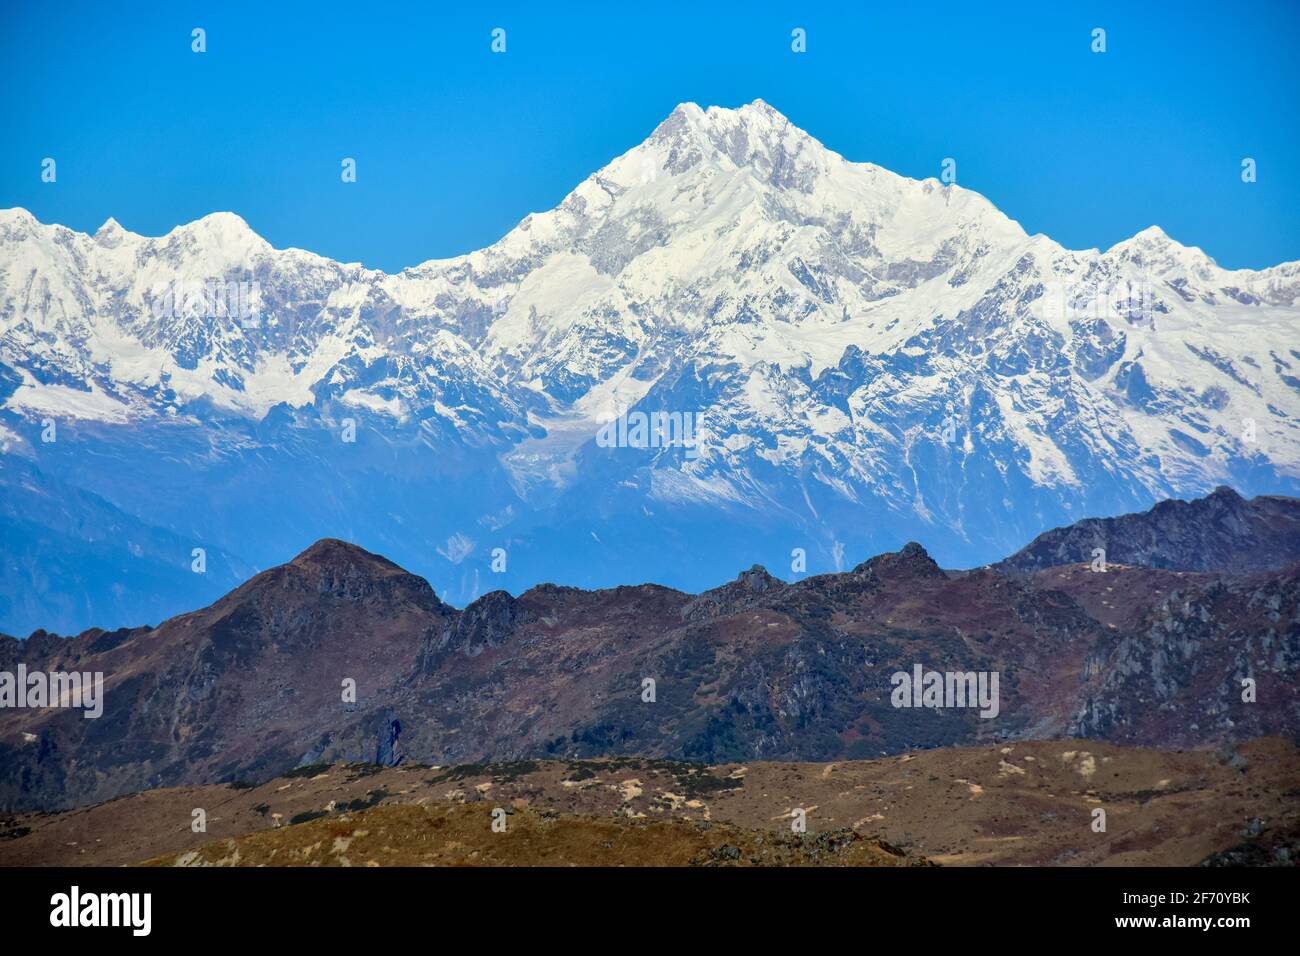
454	145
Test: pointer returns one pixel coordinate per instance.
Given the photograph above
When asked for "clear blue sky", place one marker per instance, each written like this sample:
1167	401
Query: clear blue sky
455	145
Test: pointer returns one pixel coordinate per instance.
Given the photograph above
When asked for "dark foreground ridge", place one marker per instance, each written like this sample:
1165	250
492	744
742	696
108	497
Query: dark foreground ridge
340	655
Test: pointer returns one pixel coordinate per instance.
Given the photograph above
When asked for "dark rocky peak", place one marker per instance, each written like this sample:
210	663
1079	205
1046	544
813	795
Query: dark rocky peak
344	571
748	587
546	592
40	644
757	579
334	553
911	561
1221	502
488	622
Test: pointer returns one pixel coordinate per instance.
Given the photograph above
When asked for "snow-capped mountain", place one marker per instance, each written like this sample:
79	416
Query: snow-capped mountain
861	358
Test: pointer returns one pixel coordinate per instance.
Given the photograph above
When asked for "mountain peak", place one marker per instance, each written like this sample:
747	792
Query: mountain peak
16	222
758	109
1155	249
757	578
1148	240
110	233
912	560
345	570
335	552
222	230
754	136
224	219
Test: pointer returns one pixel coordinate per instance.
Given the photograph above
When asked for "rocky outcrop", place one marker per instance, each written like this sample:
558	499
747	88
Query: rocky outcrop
1221	532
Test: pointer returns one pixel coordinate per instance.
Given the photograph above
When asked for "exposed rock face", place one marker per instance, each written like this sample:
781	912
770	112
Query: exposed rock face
486	623
1220	532
756	669
1182	672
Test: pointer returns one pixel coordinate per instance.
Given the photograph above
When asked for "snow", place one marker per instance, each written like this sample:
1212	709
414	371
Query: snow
391	407
729	246
61	401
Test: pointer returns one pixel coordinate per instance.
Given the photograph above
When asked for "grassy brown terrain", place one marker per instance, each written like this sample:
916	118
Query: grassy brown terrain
1024	803
460	835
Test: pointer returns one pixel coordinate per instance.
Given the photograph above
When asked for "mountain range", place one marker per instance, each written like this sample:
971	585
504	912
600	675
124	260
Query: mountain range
865	359
341	655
